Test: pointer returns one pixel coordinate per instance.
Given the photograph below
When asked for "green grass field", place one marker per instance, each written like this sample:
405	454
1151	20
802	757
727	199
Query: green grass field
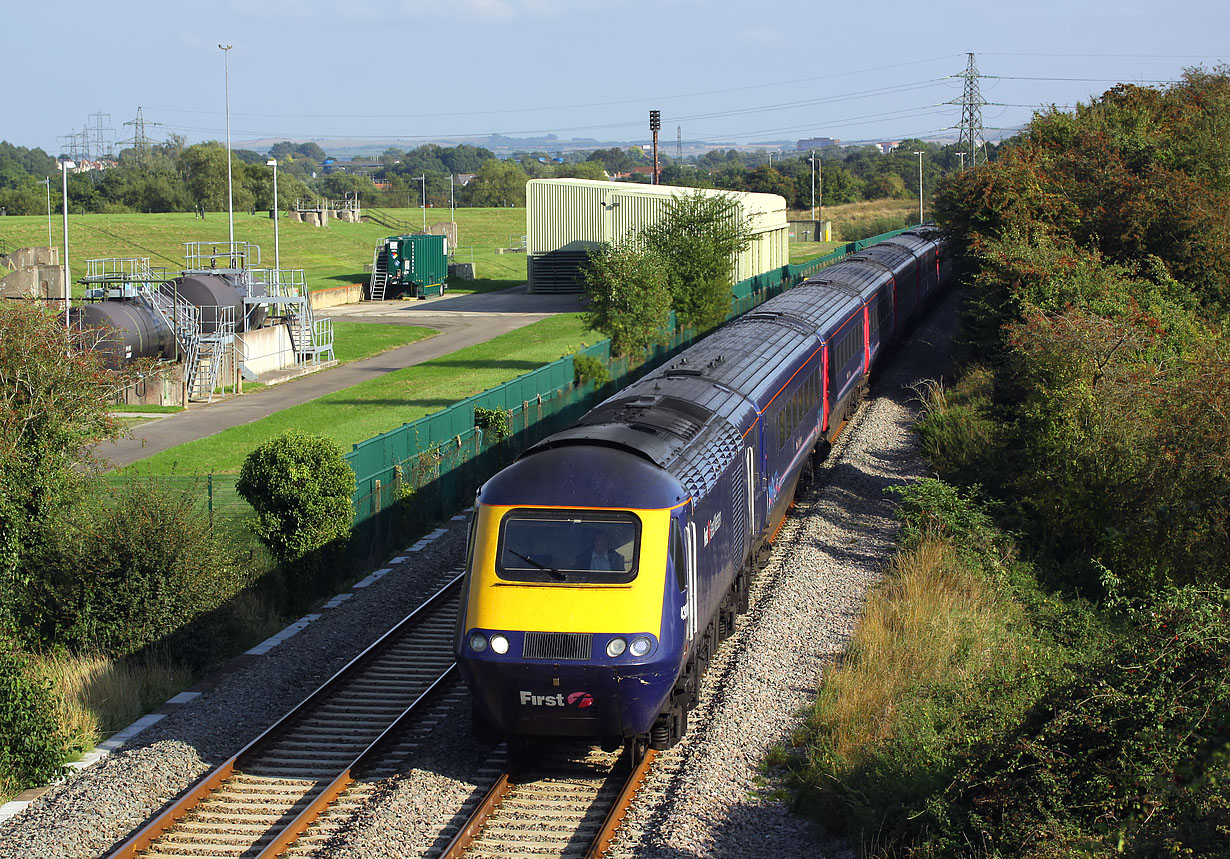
354	341
382	404
336	255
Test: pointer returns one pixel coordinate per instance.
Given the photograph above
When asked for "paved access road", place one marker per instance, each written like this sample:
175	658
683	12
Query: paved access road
462	320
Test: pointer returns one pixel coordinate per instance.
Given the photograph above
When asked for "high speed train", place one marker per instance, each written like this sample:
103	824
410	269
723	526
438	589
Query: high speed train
608	561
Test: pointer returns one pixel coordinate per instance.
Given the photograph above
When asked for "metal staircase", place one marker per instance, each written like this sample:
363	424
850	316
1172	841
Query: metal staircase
206	355
380	274
287	300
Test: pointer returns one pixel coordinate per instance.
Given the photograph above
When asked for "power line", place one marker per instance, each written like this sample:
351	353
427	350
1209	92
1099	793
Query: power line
524	110
1071	80
812	102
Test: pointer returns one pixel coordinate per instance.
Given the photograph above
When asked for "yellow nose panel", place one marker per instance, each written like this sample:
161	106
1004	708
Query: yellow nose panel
495	603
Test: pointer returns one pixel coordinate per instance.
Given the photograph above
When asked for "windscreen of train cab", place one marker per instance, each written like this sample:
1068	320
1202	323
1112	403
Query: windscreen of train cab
568	546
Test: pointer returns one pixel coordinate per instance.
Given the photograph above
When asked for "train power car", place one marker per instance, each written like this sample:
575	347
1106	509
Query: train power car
607	562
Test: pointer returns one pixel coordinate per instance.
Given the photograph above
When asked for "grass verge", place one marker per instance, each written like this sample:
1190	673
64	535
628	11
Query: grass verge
354	341
101	695
382	404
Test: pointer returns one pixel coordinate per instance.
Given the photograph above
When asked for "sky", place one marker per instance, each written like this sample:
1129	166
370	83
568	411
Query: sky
414	70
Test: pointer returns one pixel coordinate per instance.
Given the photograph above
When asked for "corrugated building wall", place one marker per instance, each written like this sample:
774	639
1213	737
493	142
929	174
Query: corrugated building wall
561	211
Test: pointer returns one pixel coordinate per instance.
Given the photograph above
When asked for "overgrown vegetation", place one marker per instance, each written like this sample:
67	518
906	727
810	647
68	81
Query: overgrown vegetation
589	369
1077	703
32	744
494	422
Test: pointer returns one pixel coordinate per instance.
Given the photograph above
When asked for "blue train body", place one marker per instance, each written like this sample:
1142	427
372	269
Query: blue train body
606	564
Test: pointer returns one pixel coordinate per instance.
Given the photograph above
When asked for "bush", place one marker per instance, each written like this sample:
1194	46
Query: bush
32	746
135	568
587	368
302	489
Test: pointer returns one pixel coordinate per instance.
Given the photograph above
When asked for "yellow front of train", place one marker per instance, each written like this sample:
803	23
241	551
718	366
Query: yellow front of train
573	621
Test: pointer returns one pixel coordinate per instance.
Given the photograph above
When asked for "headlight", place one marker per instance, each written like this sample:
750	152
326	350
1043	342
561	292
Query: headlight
478	642
615	647
640	646
499	644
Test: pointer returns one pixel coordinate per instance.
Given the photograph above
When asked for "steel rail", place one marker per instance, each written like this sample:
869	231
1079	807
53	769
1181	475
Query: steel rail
615	817
207	784
471	832
478	818
347	777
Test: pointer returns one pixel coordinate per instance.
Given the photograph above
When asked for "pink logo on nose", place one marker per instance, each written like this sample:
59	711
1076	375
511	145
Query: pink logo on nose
581	700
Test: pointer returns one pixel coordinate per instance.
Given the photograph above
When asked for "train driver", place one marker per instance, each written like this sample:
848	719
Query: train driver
600	555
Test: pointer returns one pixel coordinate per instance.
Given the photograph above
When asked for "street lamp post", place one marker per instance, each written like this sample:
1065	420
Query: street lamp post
277	257
47	182
812	159
423	179
67	277
920	186
230	196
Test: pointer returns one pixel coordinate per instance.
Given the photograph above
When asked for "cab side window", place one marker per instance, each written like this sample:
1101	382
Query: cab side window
677	556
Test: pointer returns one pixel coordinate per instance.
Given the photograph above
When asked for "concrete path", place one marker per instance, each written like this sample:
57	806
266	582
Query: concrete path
462	321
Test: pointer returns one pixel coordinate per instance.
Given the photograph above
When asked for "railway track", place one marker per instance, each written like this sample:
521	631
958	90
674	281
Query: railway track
288	779
567	803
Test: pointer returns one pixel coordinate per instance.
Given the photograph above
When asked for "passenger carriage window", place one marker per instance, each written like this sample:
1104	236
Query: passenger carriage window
568	546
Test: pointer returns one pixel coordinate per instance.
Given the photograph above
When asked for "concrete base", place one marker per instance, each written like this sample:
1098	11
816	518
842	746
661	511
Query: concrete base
32	273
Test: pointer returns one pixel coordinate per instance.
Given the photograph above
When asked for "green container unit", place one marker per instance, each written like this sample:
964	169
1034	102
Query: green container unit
417	265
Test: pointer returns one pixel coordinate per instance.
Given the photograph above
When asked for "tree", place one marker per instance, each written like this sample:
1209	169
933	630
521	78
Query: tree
767	180
629	296
614	160
301	488
204	170
698	238
584	170
498	183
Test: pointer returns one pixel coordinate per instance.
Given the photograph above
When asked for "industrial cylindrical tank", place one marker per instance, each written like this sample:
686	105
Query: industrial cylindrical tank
212	291
130	330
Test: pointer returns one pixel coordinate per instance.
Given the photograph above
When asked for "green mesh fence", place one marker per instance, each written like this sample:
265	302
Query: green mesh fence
213	496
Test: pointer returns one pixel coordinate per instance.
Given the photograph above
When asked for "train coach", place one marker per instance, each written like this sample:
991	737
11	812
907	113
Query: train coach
605	565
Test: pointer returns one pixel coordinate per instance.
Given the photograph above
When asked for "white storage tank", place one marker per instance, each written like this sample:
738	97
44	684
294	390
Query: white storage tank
569	215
